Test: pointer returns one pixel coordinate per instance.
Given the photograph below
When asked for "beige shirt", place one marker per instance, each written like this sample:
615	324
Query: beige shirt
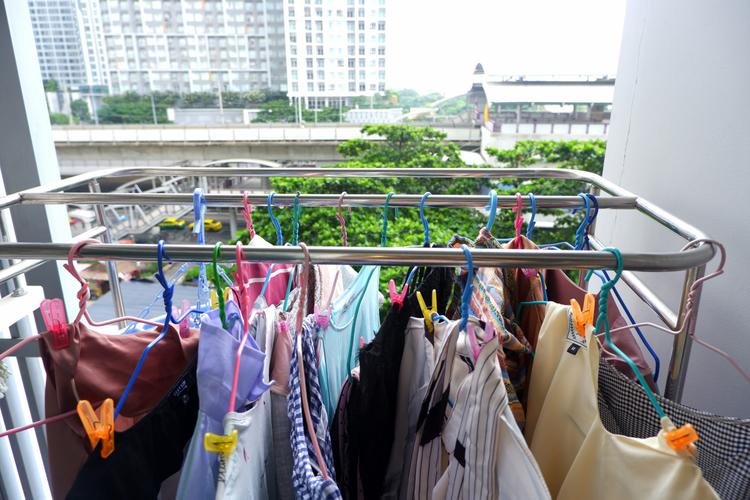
579	458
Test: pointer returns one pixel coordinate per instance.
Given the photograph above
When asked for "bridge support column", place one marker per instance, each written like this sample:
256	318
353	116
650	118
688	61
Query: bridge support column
232	222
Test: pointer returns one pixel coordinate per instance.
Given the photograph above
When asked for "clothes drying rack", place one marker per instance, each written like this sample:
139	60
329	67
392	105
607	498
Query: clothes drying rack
692	261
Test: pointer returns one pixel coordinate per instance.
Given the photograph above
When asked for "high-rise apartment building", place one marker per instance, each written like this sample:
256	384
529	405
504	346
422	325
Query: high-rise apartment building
194	45
58	41
335	49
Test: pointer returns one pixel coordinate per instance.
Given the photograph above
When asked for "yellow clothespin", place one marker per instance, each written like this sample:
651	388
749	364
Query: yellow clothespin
99	427
585	317
427	313
215	298
216	443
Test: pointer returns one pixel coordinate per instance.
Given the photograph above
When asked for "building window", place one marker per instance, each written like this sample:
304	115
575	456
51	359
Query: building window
352	86
322	76
381	51
381	63
308	25
292	37
361	51
352	74
381	75
381	12
319	50
349	12
362	87
293	50
381	25
295	87
361	38
292	25
308	49
310	86
381	86
294	74
361	63
291	11
350	63
318	37
319	25
361	12
307	11
310	75
320	62
308	37
322	87
350	26
361	25
294	63
319	12
309	63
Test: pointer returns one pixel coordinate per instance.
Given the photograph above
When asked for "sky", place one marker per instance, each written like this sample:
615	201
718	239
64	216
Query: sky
435	44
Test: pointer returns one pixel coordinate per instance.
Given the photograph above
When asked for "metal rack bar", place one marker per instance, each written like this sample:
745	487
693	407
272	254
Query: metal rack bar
692	261
318	200
394	256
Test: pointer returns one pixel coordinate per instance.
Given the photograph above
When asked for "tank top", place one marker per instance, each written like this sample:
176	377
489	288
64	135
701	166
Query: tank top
579	458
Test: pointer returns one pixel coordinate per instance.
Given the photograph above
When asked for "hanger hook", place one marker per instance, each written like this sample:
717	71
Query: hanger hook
168	293
217	283
341	219
83	293
274	220
303	287
247	213
384	232
532	220
518	223
296	211
595	204
581	231
425	225
468	288
493	210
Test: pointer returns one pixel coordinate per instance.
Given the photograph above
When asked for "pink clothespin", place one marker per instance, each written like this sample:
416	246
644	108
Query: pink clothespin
53	313
397	298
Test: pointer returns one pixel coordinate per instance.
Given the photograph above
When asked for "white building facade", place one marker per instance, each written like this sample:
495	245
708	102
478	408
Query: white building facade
335	50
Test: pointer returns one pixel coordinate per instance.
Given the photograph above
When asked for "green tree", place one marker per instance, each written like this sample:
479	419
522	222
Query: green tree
80	111
59	119
131	108
200	100
51	86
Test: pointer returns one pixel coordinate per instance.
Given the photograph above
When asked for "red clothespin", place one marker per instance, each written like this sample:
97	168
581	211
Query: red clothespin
397	298
99	427
53	313
585	316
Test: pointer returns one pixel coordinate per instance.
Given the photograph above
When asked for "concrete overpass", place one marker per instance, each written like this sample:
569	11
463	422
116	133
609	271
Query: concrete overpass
83	148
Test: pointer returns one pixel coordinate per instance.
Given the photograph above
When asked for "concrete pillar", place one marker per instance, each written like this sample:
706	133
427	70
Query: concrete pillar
27	151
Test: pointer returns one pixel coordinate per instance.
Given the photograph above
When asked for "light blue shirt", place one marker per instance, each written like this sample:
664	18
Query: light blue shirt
340	340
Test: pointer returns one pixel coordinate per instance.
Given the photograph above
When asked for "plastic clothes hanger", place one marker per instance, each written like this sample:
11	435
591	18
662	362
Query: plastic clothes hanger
243	301
167	294
296	212
247	213
532	220
217	283
298	345
398	298
341	219
466	302
274	220
690	308
384	231
493	211
199	229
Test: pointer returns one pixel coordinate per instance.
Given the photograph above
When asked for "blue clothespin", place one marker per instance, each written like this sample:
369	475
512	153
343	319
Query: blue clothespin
532	220
493	211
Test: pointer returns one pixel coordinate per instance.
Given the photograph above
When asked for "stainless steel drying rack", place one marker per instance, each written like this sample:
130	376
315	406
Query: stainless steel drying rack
692	261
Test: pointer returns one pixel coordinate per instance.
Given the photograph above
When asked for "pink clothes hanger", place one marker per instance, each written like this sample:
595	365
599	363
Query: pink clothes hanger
298	346
243	301
341	219
323	314
690	308
84	293
248	215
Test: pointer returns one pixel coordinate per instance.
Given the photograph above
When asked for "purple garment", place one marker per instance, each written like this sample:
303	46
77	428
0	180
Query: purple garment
216	354
561	289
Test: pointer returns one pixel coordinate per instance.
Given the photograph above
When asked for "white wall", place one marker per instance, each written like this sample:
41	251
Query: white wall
680	136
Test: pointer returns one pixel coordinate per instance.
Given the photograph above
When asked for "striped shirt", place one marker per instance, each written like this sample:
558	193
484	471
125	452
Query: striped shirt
427	455
489	458
308	484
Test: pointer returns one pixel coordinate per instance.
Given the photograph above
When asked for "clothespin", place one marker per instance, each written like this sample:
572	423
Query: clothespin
585	317
427	313
397	298
217	443
53	313
681	439
215	298
99	427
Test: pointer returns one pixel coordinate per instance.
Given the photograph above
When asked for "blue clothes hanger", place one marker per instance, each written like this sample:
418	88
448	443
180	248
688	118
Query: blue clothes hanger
274	220
468	288
604	276
296	212
602	326
493	211
425	225
532	220
199	229
167	294
384	231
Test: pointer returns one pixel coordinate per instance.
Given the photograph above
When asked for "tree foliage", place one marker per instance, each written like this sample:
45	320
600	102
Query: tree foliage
80	111
282	111
59	119
131	108
51	85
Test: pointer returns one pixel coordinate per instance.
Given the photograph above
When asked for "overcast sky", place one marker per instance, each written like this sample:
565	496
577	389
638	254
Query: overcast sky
435	44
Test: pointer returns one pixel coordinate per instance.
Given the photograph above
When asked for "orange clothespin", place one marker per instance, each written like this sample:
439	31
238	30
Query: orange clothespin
585	317
427	313
99	427
682	439
217	443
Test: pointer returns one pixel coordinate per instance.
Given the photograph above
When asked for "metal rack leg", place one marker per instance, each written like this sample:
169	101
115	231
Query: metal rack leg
114	281
683	342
